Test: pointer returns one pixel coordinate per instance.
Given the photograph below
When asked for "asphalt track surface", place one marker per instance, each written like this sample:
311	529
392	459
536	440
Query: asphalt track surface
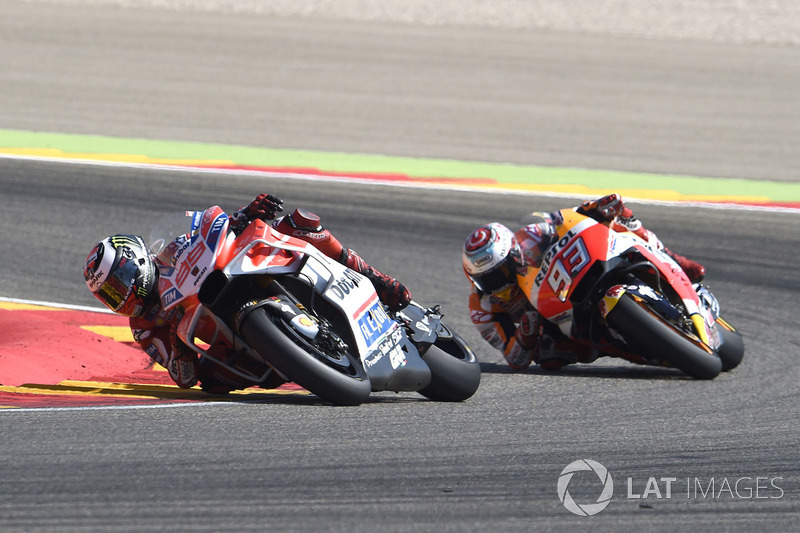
399	462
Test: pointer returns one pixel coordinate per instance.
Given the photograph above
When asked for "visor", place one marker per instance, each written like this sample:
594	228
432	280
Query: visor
497	279
119	284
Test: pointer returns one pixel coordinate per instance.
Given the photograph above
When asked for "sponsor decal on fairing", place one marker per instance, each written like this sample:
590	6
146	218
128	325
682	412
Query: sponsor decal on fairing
305	325
374	323
389	347
169	296
345	284
216	231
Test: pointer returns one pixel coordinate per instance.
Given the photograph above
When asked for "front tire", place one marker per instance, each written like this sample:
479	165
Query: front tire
732	349
455	372
339	377
661	340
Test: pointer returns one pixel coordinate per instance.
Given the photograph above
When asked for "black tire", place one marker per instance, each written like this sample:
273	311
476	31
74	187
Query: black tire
732	350
663	341
338	378
455	372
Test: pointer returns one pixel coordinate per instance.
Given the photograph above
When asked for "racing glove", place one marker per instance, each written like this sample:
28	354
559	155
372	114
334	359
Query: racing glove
606	208
264	207
519	350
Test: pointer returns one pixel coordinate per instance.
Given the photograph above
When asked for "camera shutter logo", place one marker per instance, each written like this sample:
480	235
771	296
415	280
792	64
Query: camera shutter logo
585	465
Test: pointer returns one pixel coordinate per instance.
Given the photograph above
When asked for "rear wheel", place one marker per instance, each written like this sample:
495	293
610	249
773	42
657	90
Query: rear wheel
655	338
455	372
330	372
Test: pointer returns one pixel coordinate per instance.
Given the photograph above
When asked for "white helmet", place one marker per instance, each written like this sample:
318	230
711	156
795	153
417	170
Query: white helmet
491	258
121	274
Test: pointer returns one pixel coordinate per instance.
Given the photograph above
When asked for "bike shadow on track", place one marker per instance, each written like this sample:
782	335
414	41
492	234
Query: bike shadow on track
622	371
93	394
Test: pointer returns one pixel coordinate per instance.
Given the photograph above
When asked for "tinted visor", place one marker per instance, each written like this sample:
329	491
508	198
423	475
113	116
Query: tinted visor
119	284
497	279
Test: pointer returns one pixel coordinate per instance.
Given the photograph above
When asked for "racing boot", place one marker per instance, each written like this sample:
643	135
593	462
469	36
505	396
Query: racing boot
391	292
694	270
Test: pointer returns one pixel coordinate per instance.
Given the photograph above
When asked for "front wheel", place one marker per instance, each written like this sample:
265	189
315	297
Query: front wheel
335	375
455	372
731	351
656	338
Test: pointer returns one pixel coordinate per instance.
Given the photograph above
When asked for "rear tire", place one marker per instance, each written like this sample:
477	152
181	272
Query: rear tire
455	372
339	378
662	340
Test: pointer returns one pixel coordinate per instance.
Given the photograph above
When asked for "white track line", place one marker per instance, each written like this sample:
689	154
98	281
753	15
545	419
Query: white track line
416	185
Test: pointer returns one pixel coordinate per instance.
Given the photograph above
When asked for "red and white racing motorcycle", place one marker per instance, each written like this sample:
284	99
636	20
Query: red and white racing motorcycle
264	308
618	293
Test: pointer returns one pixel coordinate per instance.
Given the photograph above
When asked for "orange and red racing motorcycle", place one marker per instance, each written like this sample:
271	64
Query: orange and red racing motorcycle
627	298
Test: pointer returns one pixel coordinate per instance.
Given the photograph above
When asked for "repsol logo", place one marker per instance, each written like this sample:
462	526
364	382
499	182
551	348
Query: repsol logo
342	286
550	254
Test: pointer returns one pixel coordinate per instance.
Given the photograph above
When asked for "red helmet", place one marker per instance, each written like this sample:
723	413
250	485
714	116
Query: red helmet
121	274
491	258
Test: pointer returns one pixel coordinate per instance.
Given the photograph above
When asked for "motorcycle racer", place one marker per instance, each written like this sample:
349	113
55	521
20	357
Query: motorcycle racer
123	275
491	257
